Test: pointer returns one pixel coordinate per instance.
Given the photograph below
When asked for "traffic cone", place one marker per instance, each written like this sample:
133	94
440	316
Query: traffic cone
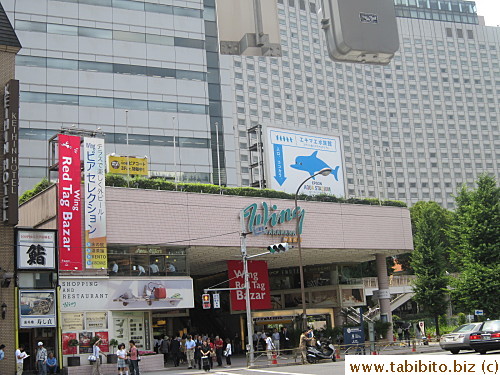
374	352
413	349
337	356
275	359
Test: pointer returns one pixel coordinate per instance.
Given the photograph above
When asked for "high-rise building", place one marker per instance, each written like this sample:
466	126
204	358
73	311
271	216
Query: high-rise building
416	129
148	72
145	73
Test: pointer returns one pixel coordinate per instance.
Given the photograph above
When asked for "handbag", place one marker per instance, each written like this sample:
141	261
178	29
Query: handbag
92	358
138	358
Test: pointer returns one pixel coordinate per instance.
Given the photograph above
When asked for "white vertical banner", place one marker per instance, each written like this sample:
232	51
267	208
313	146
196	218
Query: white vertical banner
94	165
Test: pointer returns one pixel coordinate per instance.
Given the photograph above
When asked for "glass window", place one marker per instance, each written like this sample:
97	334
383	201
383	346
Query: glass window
189	43
186	74
127	4
158	8
187	12
33	97
31	26
130	104
129	69
162	106
92	66
160	39
92	101
31	61
62	99
32	134
95	33
192	108
129	36
62	64
62	29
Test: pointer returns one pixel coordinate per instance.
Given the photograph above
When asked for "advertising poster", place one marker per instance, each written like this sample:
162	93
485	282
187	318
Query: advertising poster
96	320
260	296
104	336
94	165
36	249
294	156
66	338
116	294
69	204
85	340
72	322
136	166
37	308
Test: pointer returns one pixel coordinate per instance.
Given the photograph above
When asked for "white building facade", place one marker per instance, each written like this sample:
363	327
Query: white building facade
416	129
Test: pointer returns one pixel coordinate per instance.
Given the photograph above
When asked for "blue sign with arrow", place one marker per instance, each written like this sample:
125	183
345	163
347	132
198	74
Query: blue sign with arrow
279	166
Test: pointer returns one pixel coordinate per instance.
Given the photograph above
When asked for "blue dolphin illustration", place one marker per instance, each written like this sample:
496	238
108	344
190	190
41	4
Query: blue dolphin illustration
312	164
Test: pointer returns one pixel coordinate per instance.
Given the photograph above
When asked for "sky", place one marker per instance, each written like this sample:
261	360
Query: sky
490	9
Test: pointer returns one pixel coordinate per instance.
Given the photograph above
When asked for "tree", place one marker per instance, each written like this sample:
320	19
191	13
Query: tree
475	247
428	259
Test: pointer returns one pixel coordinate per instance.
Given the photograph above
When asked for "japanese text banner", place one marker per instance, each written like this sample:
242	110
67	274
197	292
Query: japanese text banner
94	165
69	202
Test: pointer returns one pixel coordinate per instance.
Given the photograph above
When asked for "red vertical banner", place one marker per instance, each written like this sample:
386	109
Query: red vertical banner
69	204
104	346
260	292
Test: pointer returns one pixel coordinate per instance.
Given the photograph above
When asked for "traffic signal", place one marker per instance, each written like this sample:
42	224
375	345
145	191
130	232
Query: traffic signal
205	299
278	248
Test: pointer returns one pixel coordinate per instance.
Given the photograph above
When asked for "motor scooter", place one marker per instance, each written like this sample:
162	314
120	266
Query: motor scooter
321	350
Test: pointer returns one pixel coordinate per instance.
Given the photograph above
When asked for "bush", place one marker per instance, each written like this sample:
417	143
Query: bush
38	188
159	183
462	319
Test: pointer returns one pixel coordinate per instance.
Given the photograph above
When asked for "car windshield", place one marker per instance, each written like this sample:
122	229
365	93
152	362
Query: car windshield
491	325
465	328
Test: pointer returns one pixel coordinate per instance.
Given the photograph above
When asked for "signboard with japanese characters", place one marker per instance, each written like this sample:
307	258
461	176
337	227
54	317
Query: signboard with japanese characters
72	321
136	166
260	296
295	156
94	165
69	204
37	308
36	249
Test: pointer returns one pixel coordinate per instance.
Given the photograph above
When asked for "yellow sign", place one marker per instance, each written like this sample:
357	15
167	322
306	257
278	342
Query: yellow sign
136	166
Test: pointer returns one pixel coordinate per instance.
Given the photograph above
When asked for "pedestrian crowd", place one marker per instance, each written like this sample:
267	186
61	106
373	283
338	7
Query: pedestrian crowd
195	351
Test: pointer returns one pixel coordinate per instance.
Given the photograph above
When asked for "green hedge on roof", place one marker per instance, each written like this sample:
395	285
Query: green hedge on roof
164	184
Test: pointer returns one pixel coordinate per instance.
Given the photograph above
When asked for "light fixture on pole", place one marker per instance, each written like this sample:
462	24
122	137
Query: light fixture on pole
324	172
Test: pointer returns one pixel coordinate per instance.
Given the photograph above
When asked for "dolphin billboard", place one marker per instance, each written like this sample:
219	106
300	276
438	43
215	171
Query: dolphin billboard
295	156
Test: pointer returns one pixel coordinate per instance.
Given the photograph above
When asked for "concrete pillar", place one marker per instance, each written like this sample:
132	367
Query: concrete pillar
384	294
338	317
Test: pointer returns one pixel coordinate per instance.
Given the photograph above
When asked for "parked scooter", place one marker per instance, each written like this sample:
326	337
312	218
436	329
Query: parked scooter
321	350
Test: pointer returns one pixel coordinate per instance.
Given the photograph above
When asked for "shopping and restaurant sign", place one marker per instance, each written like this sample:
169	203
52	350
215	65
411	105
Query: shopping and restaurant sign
10	164
37	308
94	165
80	294
128	165
69	204
260	296
36	249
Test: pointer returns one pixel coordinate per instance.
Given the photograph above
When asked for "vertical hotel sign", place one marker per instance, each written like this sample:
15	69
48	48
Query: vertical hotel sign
10	164
69	202
94	164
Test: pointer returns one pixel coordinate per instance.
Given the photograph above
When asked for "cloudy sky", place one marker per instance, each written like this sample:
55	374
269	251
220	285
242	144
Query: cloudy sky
490	9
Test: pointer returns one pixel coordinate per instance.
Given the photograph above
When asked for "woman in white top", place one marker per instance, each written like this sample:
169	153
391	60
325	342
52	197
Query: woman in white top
228	352
122	356
96	351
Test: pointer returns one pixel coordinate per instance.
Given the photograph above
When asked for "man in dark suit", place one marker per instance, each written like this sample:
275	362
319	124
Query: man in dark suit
175	350
285	342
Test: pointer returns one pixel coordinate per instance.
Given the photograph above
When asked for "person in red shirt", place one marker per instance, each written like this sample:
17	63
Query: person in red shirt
133	355
219	347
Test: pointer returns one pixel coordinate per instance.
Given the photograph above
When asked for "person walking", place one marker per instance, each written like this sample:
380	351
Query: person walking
175	350
190	347
284	340
228	352
20	357
133	354
197	351
41	359
121	353
96	351
276	340
304	339
269	348
51	364
2	353
165	348
219	348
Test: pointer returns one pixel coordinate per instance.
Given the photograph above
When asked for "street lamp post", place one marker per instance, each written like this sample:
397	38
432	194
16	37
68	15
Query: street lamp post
324	172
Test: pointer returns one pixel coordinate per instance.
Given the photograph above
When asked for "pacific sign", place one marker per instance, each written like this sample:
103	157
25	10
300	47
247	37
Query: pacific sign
270	217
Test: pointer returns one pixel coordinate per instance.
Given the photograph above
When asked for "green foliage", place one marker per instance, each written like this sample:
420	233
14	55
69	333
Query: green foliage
430	223
443	320
163	184
475	246
461	319
38	188
405	261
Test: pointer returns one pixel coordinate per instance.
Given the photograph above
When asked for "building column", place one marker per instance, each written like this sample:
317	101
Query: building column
384	294
338	317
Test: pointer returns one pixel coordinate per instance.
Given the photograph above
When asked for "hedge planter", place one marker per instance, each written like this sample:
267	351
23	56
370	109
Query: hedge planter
73	361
